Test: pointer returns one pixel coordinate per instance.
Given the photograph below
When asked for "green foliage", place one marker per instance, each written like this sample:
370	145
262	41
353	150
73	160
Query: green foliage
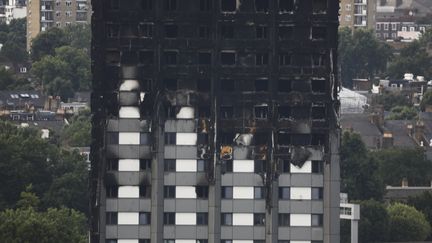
361	55
28	199
79	36
427	100
396	164
374	222
402	113
13	38
78	133
6	78
46	43
423	203
359	171
390	100
407	224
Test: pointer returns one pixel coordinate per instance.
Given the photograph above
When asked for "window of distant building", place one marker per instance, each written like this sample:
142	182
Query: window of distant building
386	26
378	27
394	26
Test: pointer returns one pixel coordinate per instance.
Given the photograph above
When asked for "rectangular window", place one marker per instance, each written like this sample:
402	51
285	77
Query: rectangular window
394	26
319	6
144	218
261	85
168	241
202	218
317	193
204	85
227	192
202	192
146	4
227	85
169	218
146	57
170	138
205	5
286	32
170	57
228	58
145	164
170	5
318	85
112	138
259	218
169	192
378	27
169	165
318	112
227	31
171	31
284	219
227	166
113	30
317	220
146	30
319	33
144	241
284	112
204	32
285	166
111	191
226	219
261	32
284	85
285	59
286	5
112	165
228	5
202	165
204	58
261	59
261	5
111	218
145	191
259	166
261	112
226	112
284	193
317	166
386	26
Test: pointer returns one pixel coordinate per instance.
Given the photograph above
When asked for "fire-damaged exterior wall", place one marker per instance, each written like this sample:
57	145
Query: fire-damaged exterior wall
215	121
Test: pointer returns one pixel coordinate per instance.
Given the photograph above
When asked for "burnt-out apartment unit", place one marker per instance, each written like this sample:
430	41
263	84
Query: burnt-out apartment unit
215	121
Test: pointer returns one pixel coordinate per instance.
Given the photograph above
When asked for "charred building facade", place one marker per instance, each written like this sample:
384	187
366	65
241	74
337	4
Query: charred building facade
215	121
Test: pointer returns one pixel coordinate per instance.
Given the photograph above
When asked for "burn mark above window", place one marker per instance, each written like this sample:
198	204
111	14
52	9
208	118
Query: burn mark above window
300	86
171	31
319	6
262	5
228	5
287	5
300	112
261	32
228	58
286	32
227	31
261	59
170	5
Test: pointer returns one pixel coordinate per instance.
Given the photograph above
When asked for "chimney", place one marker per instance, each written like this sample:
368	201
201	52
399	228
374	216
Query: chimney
419	131
405	182
377	116
387	140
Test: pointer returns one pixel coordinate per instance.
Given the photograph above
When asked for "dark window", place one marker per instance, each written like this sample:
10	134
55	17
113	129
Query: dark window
284	193
170	57
201	241
171	31
111	218
144	218
318	139
261	85
261	32
261	112
286	5
113	4
228	5
204	32
259	218
286	32
300	86
169	218
170	5
146	4
202	165
146	30
285	166
226	241
318	60
204	85
261	59
113	30
226	112
283	139
168	241
259	192
318	112
227	85
110	241
261	5
227	166
111	191
317	193
202	192
112	164
145	164
227	31
202	218
145	191
319	6
284	112
205	5
169	164
146	57
169	191
112	138
300	112
284	219
317	219
226	219
285	59
318	85
227	192
202	138
170	138
204	58
284	85
144	241
259	166
170	84
204	111
146	85
283	241
145	138
317	166
228	58
129	31
319	33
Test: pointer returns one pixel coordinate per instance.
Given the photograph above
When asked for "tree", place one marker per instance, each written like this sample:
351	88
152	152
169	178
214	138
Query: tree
359	171
400	163
6	78
402	113
46	42
78	133
407	224
427	100
79	36
423	203
374	222
389	100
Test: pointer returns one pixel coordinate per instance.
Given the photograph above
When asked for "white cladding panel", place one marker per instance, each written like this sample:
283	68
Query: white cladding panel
129	85
301	193
242	218
186	138
129	165
242	241
129	138
185	192
186	113
300	219
243	166
128	192
129	112
299	241
185	241
186	165
128	218
185	219
127	241
306	168
243	192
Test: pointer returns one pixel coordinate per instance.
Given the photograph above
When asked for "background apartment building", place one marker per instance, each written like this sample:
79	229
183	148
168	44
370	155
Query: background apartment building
215	121
44	14
12	9
357	13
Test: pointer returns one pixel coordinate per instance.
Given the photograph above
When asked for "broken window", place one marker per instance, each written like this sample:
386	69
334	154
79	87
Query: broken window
319	6
171	112
319	33
285	166
300	86
287	5
283	139
146	57
284	85
261	59
201	192
204	32
261	5
228	5
284	219
113	30
318	60
129	57
317	166
204	111
261	112
285	59
145	191
112	164
227	85
204	58
227	138
228	58
112	57
146	30
145	164
113	4
170	5
170	57
129	31
205	5
170	84
170	139
284	112
318	139
261	32
318	112
171	31
227	31
318	85
300	112
146	85
202	165
204	85
300	139
259	219
261	85
226	112
146	4
202	138
286	32
227	166
259	166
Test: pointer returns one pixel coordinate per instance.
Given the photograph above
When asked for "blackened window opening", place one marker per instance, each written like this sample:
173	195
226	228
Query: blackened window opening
204	85
261	5
318	85
204	58
261	85
228	5
319	6
287	5
227	85
205	5
170	5
204	32
226	112
284	85
146	4
171	31
261	32
228	58
261	59
286	32
227	31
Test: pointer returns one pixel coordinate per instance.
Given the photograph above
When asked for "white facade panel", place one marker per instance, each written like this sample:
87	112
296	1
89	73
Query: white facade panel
244	219
300	220
186	138
301	193
185	241
186	165
129	165
243	166
130	85
186	113
128	218
243	192
129	112
185	219
185	192
299	241
306	168
129	138
127	241
128	192
242	241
